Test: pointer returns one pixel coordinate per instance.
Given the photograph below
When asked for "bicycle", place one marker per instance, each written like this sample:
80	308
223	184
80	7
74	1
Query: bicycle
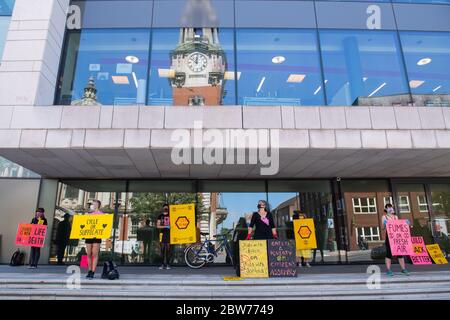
198	255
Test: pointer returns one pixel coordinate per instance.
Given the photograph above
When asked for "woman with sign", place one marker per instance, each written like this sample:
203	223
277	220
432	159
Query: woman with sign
163	224
93	245
35	252
263	221
389	214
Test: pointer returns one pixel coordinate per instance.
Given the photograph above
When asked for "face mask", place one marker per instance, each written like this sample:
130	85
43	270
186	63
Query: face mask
390	210
166	211
92	207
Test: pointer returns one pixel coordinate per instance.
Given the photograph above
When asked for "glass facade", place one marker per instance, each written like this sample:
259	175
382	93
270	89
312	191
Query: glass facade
347	214
6	7
286	53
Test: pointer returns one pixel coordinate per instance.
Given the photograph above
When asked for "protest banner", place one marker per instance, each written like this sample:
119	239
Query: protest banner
253	258
90	226
399	235
305	234
31	235
182	224
419	253
282	260
436	254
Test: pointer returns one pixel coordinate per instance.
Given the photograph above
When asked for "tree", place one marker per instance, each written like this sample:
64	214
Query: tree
149	205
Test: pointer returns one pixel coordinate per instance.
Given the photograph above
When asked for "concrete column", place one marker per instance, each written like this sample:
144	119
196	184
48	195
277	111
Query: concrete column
47	200
29	70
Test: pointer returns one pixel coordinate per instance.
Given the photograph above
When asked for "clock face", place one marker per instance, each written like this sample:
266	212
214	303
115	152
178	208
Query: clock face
197	62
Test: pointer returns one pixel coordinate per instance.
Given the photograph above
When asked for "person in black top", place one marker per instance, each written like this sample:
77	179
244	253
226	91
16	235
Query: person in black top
163	224
62	237
35	252
263	221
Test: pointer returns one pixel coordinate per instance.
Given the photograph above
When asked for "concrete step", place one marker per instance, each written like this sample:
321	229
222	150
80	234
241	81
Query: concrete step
426	285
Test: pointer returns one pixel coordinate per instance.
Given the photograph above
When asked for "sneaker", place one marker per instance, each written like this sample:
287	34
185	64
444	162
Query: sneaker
168	267
30	267
405	272
89	275
389	273
92	275
161	267
308	265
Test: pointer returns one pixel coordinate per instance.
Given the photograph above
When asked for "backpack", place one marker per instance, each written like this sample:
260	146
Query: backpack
17	258
110	271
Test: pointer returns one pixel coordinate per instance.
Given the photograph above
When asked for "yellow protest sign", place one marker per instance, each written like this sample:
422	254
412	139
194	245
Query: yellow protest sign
436	254
253	259
182	224
305	234
91	226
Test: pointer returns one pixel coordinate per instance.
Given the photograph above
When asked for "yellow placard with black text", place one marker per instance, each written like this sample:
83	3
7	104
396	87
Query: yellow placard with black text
436	254
305	234
253	259
90	226
182	224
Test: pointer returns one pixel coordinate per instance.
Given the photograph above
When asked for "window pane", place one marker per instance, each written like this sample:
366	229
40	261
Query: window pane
423	1
361	64
116	60
10	169
6	7
278	67
427	57
192	62
4	25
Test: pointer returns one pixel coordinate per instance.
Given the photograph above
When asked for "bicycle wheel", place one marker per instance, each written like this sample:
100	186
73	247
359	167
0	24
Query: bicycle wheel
195	256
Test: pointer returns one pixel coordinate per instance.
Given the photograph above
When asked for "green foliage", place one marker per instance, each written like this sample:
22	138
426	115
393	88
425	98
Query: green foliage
149	205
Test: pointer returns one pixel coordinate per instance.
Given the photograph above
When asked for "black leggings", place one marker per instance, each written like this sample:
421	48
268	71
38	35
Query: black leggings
35	254
165	253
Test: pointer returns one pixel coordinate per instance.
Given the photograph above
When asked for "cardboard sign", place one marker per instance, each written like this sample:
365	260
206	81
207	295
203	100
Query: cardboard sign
90	226
305	234
436	254
31	235
182	224
399	235
282	262
253	259
419	251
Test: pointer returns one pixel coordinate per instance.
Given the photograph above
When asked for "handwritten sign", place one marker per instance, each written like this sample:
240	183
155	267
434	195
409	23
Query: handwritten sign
253	258
436	254
31	235
182	224
305	234
419	252
399	235
282	262
91	226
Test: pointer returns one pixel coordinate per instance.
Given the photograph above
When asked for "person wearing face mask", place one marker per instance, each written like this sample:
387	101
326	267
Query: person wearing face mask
93	245
263	221
163	224
35	252
389	214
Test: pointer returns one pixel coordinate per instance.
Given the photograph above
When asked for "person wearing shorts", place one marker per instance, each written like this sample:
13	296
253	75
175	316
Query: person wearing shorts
389	214
93	245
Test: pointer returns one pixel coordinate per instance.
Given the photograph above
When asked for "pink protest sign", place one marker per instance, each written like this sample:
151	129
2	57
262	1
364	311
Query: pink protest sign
399	235
23	233
419	252
31	235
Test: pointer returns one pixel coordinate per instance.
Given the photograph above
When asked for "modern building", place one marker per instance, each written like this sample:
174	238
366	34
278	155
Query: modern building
351	98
